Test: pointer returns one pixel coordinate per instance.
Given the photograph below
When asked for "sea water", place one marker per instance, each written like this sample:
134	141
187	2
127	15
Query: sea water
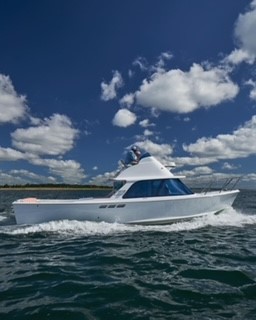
201	269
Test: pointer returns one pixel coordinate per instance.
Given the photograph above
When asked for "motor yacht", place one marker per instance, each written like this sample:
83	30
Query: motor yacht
145	193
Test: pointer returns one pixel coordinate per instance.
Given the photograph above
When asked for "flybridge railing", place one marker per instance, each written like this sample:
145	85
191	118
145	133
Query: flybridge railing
228	184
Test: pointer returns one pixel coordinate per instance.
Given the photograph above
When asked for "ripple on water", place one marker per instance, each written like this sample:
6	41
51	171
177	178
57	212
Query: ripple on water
200	269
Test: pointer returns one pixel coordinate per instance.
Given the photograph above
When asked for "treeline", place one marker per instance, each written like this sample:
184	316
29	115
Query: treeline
53	186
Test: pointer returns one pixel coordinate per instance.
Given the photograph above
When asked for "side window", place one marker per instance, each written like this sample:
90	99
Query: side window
177	187
148	188
160	188
157	188
137	190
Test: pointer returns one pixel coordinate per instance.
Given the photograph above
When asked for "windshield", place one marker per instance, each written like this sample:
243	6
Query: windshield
116	186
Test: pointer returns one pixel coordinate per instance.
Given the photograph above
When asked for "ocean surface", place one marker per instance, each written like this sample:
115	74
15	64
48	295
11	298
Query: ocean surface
201	269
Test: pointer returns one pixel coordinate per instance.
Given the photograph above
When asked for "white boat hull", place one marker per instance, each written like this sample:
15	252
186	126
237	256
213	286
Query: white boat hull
160	210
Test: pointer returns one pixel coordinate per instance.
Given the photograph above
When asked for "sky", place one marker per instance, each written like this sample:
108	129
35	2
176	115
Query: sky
82	81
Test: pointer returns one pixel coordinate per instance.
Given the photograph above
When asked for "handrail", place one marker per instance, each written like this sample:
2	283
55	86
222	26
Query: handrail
229	184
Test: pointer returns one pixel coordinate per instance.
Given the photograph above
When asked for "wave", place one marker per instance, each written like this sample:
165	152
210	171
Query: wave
2	218
230	217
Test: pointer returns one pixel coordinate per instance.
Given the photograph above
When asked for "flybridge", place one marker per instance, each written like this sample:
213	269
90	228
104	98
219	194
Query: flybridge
147	169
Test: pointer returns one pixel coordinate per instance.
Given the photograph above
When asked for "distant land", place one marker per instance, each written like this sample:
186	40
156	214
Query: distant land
53	187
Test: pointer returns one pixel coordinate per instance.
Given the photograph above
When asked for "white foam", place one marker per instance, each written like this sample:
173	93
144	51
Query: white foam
2	218
75	228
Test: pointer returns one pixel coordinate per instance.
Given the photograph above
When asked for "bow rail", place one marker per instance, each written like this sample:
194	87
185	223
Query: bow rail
228	184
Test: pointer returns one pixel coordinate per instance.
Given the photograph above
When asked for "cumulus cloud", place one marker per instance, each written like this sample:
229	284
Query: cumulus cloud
103	179
127	100
160	151
12	106
9	154
11	179
245	30
240	144
239	55
70	171
203	170
245	37
67	171
124	118
109	89
183	92
54	136
21	177
193	161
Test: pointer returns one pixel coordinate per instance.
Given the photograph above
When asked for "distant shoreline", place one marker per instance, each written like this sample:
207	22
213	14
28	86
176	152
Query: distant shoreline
54	188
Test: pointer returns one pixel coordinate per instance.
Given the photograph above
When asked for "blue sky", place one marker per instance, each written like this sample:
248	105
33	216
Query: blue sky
80	82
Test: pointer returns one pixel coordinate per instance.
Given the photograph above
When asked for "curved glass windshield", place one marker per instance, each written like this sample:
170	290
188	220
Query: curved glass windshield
157	188
116	186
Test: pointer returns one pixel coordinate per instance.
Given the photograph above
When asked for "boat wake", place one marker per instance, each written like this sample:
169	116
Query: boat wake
230	217
2	218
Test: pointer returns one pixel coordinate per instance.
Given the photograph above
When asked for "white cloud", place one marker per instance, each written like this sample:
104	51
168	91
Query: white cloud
130	73
203	170
160	151
239	55
127	100
160	65
54	136
251	177
146	123
109	90
32	177
148	133
239	144
9	154
193	161
103	179
70	171
124	118
253	91
22	177
245	30
183	92
10	179
141	63
35	121
12	106
228	166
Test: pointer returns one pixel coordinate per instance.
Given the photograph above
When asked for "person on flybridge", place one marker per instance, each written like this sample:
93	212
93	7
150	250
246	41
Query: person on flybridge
132	156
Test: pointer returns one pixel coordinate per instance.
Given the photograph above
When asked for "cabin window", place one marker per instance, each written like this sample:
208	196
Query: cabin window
157	188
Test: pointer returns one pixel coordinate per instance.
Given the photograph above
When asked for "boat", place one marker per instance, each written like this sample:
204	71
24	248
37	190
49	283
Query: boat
145	193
